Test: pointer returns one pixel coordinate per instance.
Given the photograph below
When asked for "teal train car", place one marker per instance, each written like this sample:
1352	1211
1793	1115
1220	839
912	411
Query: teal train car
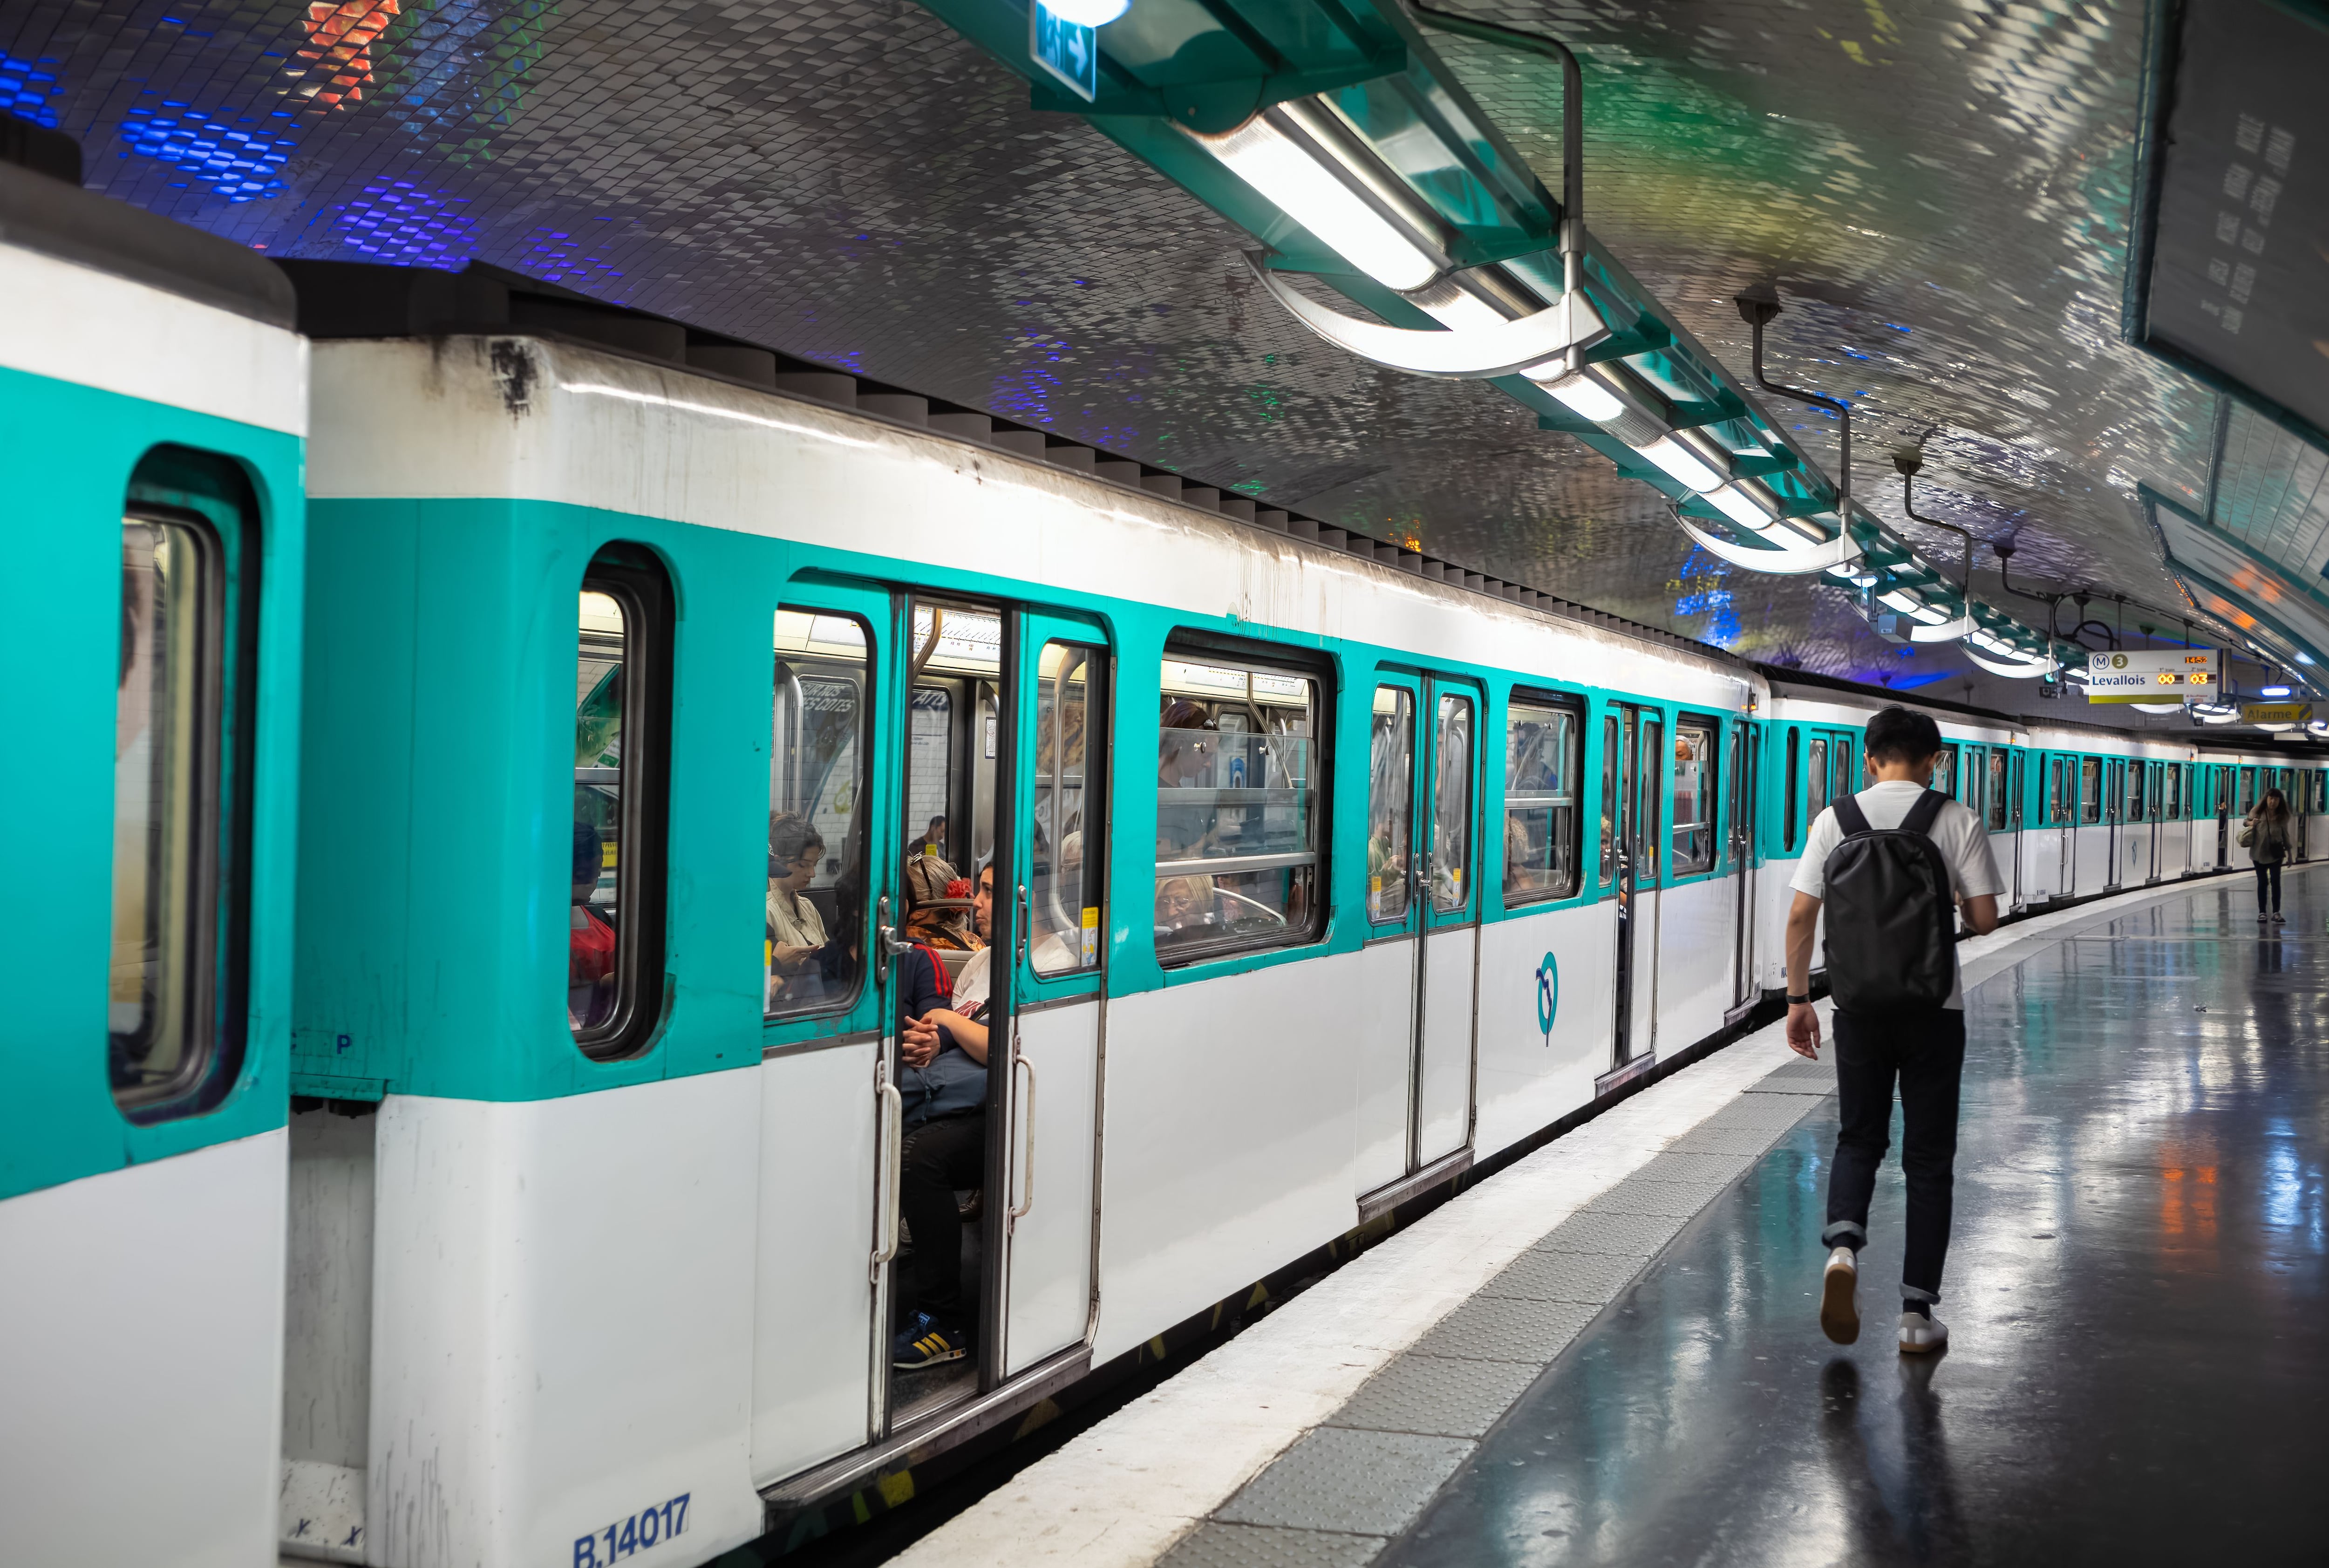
153	398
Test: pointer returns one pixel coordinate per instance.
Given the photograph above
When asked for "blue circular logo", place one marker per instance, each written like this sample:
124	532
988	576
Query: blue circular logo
1548	996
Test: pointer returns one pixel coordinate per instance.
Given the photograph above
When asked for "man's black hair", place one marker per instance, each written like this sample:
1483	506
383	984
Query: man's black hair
1898	735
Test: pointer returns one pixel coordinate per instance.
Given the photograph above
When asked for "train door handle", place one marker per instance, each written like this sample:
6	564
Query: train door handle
886	934
1027	1157
890	1144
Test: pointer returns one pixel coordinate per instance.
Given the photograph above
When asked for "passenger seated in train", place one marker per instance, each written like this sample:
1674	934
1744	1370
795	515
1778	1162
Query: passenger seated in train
937	896
796	927
591	940
944	1086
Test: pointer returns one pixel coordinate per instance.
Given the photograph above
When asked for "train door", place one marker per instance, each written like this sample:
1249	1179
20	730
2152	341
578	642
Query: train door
1057	1042
828	1070
2223	789
1638	772
1745	756
1447	956
2153	782
2114	784
948	934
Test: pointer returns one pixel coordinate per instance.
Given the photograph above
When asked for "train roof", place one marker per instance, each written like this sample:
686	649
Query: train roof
358	301
43	208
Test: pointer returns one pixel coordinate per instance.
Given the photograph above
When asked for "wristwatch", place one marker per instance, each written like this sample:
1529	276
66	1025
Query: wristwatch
1804	1001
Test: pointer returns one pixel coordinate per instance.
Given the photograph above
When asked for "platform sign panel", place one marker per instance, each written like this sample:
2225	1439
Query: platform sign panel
2276	712
2184	674
1068	50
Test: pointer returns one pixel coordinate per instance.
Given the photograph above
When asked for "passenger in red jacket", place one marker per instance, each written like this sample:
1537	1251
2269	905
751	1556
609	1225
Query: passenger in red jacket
589	942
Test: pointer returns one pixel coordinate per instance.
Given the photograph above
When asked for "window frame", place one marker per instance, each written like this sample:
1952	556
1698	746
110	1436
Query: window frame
1544	699
1408	705
1098	782
868	732
1262	657
635	577
1709	798
209	494
1788	797
2100	795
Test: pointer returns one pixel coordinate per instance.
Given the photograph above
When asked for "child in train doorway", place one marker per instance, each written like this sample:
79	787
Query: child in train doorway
944	1083
1891	863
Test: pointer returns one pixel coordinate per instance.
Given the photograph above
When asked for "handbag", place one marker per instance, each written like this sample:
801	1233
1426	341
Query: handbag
2247	839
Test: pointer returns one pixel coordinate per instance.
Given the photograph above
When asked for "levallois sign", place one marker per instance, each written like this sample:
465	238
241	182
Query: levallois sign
2184	674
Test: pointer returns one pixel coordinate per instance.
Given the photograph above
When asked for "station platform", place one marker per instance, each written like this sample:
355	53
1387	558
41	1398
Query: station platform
1609	1352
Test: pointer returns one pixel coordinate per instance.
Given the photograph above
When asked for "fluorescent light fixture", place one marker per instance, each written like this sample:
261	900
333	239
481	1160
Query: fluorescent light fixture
1736	503
2016	669
1587	399
2156	707
1310	193
1930	614
1087	13
2276	729
1683	464
1905	602
2272	690
2303	659
1945	629
2217	718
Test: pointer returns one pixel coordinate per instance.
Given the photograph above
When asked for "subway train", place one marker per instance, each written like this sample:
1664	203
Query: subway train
465	1179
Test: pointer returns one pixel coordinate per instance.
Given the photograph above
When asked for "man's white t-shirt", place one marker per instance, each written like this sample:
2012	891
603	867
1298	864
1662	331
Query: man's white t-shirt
1957	831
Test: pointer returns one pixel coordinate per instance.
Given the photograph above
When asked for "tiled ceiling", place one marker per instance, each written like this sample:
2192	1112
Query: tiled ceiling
1941	192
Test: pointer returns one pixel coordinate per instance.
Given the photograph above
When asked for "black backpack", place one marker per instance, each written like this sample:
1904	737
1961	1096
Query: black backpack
1892	928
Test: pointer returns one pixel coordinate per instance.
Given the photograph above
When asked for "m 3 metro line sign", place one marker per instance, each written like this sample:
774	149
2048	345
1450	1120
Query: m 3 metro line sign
2184	674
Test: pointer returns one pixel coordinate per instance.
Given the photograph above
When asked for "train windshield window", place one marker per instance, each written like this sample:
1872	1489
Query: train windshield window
2091	789
1070	846
1451	804
1390	802
1239	780
614	959
1610	753
1818	802
812	949
167	733
1693	797
1540	767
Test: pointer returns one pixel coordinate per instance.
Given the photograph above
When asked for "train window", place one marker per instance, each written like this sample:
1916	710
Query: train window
1451	806
1239	796
2247	802
1788	801
2132	781
2014	790
1541	769
2091	789
1390	802
1611	752
1070	846
614	963
818	742
1693	797
1819	780
2000	793
1848	779
1944	772
168	727
2170	806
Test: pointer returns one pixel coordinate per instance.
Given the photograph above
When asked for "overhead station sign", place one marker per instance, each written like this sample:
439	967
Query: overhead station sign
2184	674
2276	712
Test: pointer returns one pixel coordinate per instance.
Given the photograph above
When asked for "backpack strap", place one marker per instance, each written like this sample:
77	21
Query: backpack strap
1849	817
1924	813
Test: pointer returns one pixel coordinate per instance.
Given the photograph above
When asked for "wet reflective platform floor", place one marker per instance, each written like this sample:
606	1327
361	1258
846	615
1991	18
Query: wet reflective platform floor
2139	1361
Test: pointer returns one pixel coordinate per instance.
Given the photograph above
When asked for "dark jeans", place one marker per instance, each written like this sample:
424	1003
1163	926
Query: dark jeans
1925	1052
2268	876
941	1155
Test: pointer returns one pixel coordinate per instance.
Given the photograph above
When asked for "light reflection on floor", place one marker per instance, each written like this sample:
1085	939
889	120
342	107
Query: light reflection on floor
2135	1294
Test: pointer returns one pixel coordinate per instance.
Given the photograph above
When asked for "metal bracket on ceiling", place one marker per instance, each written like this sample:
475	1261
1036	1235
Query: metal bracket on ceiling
1471	354
1759	305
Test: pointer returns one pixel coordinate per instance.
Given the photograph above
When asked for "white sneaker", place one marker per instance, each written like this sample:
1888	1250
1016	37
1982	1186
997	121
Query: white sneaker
1839	1313
2279	919
1919	1333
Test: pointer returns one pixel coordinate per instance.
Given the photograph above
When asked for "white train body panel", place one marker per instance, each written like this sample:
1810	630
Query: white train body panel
141	1361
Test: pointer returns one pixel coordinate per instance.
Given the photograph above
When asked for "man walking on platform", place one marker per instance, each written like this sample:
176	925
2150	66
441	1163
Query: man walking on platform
1890	863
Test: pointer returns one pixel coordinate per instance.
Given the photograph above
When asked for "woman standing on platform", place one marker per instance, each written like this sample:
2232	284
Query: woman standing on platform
2265	836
